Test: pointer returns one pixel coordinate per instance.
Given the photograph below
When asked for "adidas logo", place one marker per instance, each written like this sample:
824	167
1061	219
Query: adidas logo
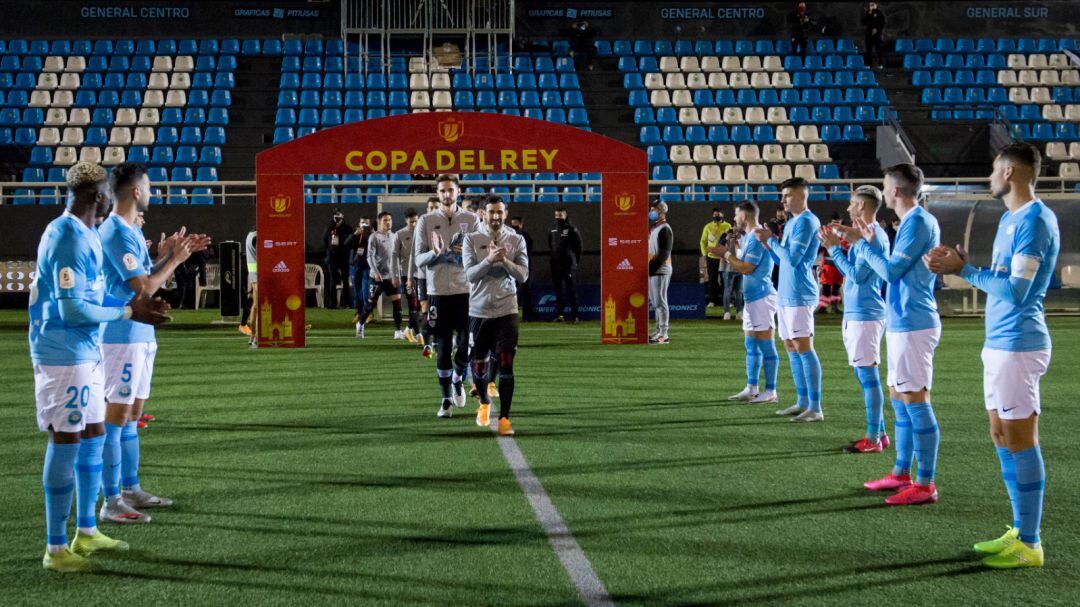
625	265
281	268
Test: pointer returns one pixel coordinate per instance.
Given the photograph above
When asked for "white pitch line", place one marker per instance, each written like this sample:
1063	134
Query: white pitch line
589	586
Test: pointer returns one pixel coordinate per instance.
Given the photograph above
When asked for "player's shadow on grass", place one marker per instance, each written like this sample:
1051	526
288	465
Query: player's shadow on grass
826	583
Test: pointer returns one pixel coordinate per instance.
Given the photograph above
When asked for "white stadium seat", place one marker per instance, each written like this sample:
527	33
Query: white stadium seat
1055	150
158	81
176	98
49	136
758	172
40	99
778	115
726	154
163	63
420	99
669	64
686	172
781	80
682	98
751	63
65	156
795	152
749	153
734	172
704	154
780	172
149	116
79	117
1017	62
660	98
56	117
61	98
419	81
47	81
441	99
675	81
711	172
785	133
90	154
154	98
440	81
711	63
144	135
689	64
120	135
772	63
731	64
180	80
760	80
654	81
696	81
184	63
1069	170
733	115
54	64
113	156
808	133
806	171
689	116
718	80
125	117
739	80
75	63
1053	113
772	153
72	136
819	152
680	154
711	115
755	115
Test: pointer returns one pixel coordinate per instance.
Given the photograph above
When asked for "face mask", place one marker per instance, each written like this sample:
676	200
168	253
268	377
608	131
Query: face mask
653	215
718	219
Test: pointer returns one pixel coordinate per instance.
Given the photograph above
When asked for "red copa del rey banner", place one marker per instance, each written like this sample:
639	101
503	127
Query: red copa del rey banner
624	259
451	142
279	246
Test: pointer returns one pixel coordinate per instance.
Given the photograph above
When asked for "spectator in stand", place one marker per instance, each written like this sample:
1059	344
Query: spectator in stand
777	226
873	22
831	279
800	25
583	44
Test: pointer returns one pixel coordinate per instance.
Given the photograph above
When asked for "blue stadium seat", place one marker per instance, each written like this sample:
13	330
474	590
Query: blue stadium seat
876	96
162	155
718	133
1030	113
650	135
657	154
931	96
195	116
224	80
289	81
832	97
168	135
191	135
485	100
218	116
663	171
186	155
6	136
285	117
1065	131
102	117
308	117
464	100
666	116
953	94
745	97
547	82
854	132
741	134
352	115
210	155
764	133
555	115
672	134
648	64
96	136
830	133
198	98
41	156
309	98
695	135
283	134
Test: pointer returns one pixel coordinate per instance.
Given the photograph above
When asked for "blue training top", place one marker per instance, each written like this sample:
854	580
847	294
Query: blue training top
757	284
126	257
1025	253
862	286
911	303
796	252
68	267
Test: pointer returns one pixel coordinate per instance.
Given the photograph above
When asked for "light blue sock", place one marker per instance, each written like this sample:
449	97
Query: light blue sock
874	398
110	456
799	376
927	438
753	361
812	368
129	452
770	361
88	481
1008	475
1030	485
58	480
905	445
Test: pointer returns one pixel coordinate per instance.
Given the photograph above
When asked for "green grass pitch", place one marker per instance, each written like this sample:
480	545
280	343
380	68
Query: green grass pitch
322	476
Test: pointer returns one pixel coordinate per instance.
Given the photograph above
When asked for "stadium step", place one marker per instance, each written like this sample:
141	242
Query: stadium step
604	95
251	117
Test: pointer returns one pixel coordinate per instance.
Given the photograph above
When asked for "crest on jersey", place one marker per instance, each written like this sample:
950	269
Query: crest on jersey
74	417
464	226
67	278
507	247
124	391
130	262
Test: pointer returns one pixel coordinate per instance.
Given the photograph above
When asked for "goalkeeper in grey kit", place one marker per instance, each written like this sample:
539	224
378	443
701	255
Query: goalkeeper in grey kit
495	260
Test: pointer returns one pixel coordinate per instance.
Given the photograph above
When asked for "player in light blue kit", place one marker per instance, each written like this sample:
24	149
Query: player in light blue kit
864	315
128	348
913	330
67	305
1017	349
749	257
795	252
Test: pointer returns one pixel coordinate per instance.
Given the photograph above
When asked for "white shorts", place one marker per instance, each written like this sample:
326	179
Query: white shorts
862	340
796	321
911	359
760	314
128	371
1011	381
69	397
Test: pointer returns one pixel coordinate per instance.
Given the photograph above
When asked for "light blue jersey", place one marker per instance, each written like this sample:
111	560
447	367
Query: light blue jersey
862	286
1025	253
796	252
126	257
68	267
911	304
758	283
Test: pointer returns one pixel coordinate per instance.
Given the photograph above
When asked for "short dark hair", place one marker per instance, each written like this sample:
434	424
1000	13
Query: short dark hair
493	199
448	177
717	210
1025	154
749	206
432	199
908	176
383	214
794	182
517	218
125	175
410	212
560	209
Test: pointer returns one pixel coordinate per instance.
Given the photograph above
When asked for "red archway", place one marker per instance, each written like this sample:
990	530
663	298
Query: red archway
451	142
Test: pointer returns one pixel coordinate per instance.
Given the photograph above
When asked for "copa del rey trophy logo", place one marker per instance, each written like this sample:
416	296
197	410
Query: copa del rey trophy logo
451	129
280	203
625	201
